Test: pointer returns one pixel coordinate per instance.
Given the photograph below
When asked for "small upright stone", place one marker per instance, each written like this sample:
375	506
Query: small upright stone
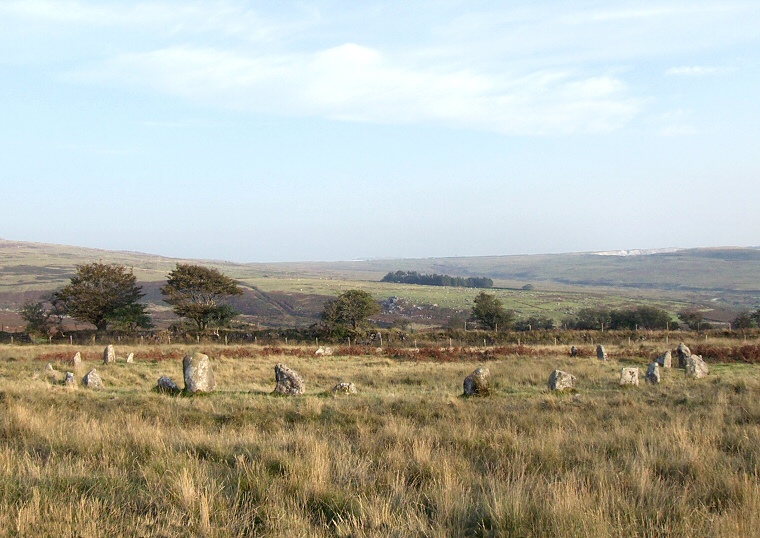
109	354
683	353
199	376
324	351
344	388
653	373
601	353
288	381
92	380
70	381
629	376
559	380
77	359
665	360
51	373
573	351
477	383
167	385
696	367
130	358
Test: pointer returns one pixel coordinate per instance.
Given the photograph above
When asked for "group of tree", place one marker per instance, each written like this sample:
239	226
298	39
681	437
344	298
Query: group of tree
345	314
108	297
640	317
413	277
746	320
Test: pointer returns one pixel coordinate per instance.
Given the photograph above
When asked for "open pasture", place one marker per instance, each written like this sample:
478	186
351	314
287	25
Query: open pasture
407	456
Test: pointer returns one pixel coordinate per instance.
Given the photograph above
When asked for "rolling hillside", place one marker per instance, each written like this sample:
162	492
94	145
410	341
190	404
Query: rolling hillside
716	280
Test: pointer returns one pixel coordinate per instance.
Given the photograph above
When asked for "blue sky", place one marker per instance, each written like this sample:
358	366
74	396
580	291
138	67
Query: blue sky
341	130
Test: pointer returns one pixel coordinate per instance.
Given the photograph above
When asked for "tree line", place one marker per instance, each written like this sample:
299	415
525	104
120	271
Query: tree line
107	296
413	277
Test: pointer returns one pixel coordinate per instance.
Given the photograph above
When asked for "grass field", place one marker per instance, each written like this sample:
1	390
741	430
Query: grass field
407	456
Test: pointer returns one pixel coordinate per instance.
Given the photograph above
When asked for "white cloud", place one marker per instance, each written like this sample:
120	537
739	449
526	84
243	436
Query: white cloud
696	71
356	83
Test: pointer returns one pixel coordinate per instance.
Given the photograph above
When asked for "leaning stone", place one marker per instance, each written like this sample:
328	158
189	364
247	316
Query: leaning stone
77	359
167	385
109	354
601	353
629	376
92	380
199	376
288	381
683	353
573	351
344	388
130	358
324	351
653	373
559	380
696	367
477	383
665	360
70	381
50	372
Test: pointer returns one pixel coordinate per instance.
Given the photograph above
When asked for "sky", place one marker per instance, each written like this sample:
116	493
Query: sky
339	130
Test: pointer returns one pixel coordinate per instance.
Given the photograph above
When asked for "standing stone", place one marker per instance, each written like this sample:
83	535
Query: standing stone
199	376
696	367
51	373
324	351
130	358
653	373
92	380
629	376
167	384
288	381
665	360
109	354
559	380
683	353
70	381
344	388
601	353
477	383
573	351
77	359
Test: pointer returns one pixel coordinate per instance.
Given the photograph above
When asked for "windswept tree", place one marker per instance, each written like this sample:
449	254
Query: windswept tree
197	292
39	319
103	294
490	313
349	310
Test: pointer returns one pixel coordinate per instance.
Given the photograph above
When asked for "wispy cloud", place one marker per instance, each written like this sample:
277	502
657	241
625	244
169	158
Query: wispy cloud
546	69
696	71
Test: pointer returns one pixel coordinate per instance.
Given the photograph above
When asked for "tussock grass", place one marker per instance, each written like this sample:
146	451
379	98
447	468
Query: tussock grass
407	456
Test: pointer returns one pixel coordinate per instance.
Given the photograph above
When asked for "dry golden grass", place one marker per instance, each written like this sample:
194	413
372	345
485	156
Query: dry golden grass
407	456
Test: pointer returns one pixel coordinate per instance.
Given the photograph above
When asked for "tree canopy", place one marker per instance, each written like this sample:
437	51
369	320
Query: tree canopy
196	293
490	313
350	309
103	294
413	277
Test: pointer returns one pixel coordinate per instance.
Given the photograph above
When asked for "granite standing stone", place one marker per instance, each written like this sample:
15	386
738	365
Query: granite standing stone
683	353
70	381
199	376
653	373
167	384
344	388
477	383
665	360
629	376
601	353
696	367
288	381
130	358
573	351
92	380
559	380
109	354
77	359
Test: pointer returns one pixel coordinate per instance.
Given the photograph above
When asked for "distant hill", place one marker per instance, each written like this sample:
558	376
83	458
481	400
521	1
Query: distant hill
727	277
